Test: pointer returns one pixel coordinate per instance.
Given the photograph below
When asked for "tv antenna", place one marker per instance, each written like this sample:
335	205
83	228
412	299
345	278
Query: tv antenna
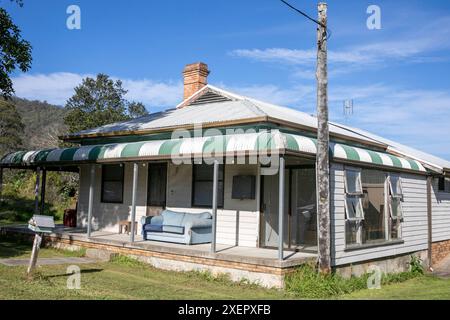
348	108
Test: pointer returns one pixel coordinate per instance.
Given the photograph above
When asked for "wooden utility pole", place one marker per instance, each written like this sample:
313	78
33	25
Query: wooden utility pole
322	160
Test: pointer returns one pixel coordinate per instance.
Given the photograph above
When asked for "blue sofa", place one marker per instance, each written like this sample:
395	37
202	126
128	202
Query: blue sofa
178	227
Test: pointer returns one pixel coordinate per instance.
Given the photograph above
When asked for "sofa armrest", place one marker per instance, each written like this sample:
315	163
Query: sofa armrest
152	220
199	223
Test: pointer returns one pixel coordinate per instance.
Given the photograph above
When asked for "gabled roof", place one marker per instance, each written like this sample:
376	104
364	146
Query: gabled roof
213	107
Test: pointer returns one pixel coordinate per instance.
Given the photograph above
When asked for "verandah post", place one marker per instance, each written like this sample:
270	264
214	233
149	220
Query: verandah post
43	183
1	184
133	200
36	191
281	209
91	200
214	205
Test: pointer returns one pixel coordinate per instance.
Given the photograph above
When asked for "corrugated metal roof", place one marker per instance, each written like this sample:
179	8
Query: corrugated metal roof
239	108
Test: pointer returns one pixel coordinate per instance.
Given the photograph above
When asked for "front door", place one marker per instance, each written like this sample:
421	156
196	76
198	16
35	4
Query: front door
300	217
156	187
302	210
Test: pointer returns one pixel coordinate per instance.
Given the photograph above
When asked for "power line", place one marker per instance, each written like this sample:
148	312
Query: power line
308	17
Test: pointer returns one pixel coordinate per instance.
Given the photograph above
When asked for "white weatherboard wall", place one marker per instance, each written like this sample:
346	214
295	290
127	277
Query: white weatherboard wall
414	227
440	213
237	221
106	216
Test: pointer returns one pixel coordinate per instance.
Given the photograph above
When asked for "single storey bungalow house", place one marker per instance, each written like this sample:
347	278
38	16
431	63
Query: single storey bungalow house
227	183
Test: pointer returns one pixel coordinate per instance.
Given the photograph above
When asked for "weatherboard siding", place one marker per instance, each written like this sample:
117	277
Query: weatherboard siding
441	213
106	216
414	227
237	222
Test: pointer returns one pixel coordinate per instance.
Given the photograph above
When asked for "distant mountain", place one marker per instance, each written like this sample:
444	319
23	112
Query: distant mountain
43	122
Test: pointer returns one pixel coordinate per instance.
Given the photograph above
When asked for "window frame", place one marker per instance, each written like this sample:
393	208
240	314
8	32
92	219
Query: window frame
221	167
122	181
353	195
445	183
397	196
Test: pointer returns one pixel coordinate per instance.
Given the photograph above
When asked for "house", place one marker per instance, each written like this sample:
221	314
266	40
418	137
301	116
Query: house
236	157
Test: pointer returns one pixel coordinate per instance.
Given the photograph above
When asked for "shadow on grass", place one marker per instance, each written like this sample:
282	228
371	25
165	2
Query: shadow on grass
9	249
85	271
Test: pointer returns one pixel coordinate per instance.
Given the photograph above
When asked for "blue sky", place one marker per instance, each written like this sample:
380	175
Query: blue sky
397	76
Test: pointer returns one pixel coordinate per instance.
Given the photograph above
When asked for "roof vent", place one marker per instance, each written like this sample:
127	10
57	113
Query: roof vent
209	97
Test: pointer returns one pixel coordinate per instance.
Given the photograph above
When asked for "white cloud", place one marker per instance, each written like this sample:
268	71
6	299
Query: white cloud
418	118
57	87
418	45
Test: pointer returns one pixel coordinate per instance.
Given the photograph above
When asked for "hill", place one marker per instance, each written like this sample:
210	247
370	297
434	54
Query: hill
43	122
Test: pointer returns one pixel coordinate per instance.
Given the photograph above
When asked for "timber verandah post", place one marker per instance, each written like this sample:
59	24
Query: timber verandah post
322	160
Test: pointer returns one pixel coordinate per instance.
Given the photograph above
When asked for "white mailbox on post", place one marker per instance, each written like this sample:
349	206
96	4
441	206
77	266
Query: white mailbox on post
41	224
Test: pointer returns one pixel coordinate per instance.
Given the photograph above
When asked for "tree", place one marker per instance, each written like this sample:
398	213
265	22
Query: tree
15	52
11	128
98	102
136	110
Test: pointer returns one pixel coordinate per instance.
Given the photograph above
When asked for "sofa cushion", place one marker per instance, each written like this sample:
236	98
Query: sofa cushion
173	229
153	227
173	218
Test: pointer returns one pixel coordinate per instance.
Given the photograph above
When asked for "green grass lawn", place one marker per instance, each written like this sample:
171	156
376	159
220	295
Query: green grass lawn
127	279
421	288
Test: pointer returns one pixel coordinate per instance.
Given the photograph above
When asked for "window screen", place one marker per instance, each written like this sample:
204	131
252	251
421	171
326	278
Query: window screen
112	183
202	184
157	183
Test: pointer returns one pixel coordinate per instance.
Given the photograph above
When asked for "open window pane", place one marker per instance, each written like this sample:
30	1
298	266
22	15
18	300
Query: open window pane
351	232
354	208
396	208
395	186
353	182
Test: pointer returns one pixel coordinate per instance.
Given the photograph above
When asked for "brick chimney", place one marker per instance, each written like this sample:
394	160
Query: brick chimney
195	77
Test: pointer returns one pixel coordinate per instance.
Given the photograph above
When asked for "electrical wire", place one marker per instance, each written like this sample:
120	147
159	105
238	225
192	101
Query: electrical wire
328	31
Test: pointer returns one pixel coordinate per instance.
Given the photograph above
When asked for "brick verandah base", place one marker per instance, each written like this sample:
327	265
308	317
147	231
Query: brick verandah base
439	250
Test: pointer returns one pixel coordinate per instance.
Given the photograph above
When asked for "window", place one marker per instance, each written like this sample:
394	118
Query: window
373	226
395	206
202	184
157	183
365	206
444	184
396	197
112	183
353	194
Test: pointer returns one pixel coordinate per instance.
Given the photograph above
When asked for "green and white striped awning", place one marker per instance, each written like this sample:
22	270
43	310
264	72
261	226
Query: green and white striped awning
206	146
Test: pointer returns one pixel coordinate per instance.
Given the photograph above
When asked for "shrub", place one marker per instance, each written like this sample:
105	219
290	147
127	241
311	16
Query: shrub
307	282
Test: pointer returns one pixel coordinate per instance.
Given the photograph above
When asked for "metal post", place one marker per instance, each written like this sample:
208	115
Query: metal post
281	209
43	183
322	160
133	200
1	183
36	191
91	200
214	205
